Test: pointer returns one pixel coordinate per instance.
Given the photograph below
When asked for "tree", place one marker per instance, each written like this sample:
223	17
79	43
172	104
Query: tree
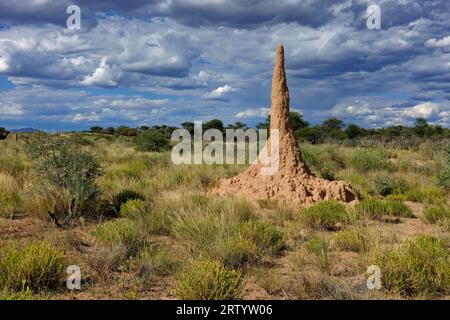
333	124
96	129
353	131
420	126
189	126
311	134
126	131
109	130
237	125
3	133
297	120
213	124
152	140
70	169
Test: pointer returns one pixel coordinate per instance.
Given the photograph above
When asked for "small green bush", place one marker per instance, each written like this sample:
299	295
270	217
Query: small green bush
436	214
377	209
236	252
352	240
37	266
210	280
367	159
121	232
133	208
124	196
263	235
324	215
418	268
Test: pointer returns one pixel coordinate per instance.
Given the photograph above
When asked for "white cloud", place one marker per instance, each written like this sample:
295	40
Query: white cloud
438	43
423	110
254	113
220	92
103	76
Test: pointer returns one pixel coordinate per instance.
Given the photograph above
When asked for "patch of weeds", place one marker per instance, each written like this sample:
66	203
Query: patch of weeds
210	280
324	215
419	267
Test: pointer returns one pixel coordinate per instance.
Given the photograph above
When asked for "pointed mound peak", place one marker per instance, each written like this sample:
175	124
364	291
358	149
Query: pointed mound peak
279	113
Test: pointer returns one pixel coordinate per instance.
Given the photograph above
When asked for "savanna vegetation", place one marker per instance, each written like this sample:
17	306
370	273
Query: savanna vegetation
140	227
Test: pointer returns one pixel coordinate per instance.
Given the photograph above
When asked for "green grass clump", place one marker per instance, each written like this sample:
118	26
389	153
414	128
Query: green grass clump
430	194
263	235
320	248
37	266
121	232
133	208
324	215
377	209
436	214
418	268
352	240
210	280
368	159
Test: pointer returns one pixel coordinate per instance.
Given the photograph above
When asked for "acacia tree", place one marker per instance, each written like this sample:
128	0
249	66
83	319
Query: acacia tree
68	168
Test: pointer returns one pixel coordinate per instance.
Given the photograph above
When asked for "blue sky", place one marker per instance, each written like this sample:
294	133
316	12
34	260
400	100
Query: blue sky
168	61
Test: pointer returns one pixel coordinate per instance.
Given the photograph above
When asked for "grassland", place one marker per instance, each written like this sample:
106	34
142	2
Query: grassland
168	238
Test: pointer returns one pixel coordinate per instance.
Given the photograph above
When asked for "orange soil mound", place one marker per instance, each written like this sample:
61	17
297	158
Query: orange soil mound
293	183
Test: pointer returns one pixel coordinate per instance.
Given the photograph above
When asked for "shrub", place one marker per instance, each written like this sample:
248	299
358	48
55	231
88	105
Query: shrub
235	252
152	140
158	261
320	248
418	267
210	280
62	162
431	195
352	240
36	266
124	196
263	235
324	215
121	232
366	159
436	214
443	177
377	209
133	208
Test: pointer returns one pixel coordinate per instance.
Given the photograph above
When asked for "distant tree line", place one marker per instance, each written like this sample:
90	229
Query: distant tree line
330	129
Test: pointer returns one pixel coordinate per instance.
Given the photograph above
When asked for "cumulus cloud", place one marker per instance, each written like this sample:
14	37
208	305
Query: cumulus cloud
254	113
437	43
220	92
208	59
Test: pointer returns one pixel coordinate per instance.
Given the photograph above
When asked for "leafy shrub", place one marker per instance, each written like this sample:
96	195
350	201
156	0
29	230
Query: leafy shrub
443	177
320	248
36	266
124	196
367	159
210	280
324	215
418	267
386	184
263	235
121	232
62	162
352	240
235	252
431	195
152	140
436	214
133	208
377	209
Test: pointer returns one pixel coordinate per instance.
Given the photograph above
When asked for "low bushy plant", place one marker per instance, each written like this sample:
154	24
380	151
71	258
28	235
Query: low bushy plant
37	266
419	267
324	215
377	209
210	280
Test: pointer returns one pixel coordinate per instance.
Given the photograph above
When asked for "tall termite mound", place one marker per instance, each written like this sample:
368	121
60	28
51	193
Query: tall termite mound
293	182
